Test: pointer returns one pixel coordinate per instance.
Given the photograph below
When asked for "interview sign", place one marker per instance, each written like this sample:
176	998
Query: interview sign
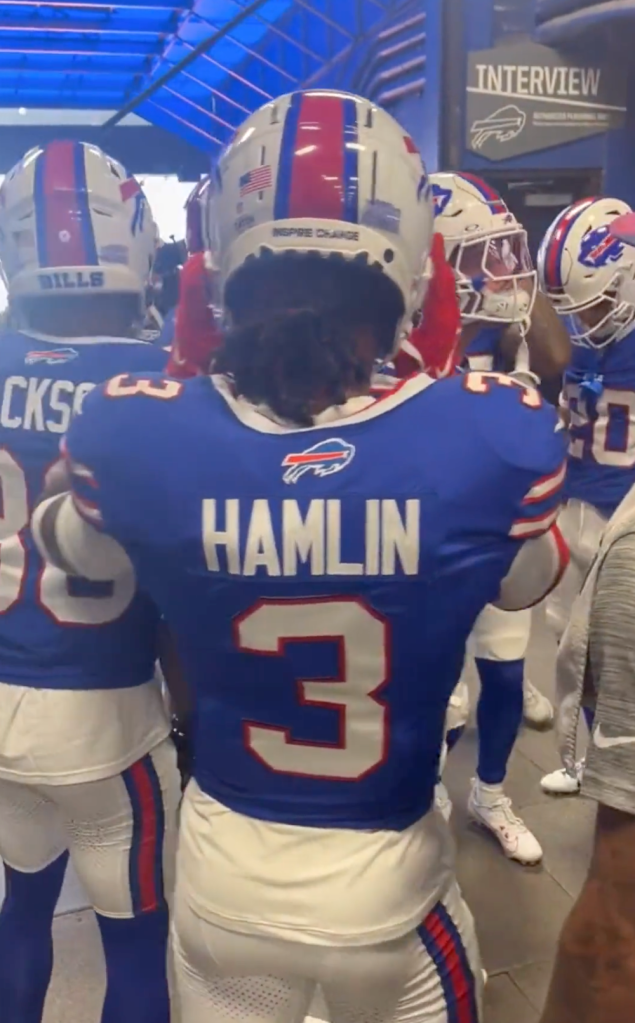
526	97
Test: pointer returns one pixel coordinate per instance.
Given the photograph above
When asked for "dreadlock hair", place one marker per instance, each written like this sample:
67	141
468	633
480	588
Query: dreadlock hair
294	340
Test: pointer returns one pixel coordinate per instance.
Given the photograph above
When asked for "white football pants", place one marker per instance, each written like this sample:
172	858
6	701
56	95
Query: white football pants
430	976
582	526
120	831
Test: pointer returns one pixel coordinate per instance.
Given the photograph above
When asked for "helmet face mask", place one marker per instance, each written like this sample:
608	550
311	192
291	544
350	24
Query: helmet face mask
588	274
487	249
608	321
329	174
495	280
72	221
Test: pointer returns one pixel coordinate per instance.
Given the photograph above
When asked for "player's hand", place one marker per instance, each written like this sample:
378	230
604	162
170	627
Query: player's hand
432	345
57	480
180	735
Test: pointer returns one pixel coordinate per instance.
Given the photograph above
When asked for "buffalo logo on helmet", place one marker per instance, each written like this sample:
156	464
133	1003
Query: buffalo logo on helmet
441	197
323	459
598	248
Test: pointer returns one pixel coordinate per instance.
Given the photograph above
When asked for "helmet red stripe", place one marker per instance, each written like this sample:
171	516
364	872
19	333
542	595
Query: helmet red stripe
63	226
561	229
317	174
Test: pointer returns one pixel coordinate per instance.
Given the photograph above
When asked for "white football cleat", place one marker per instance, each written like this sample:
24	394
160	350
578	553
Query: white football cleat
490	808
563	782
537	709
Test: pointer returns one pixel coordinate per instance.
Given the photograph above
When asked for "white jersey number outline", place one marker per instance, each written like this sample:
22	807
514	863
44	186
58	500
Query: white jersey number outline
608	402
363	638
53	586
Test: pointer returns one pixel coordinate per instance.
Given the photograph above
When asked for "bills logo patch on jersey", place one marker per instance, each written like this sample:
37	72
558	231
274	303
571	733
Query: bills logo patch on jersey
599	247
51	357
441	197
322	459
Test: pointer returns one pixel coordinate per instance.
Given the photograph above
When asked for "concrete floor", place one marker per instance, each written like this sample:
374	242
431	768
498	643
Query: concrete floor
519	910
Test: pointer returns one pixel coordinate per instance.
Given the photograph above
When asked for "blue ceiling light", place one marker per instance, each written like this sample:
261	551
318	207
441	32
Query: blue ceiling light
197	68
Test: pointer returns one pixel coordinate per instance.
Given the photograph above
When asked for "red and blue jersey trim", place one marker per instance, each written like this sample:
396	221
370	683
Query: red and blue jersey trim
560	230
541	505
63	224
318	167
489	194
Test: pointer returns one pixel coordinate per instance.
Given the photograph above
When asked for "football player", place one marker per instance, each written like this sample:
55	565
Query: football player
167	271
496	285
322	555
163	293
86	766
589	275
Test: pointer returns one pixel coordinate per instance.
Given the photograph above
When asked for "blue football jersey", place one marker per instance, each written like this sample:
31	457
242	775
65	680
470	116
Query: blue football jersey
58	632
599	391
321	583
483	352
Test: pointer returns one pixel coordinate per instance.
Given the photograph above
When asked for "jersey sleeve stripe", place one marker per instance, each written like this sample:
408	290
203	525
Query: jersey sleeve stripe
88	510
524	529
547	486
83	490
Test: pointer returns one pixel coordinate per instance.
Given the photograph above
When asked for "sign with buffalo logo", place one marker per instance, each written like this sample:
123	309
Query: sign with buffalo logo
526	97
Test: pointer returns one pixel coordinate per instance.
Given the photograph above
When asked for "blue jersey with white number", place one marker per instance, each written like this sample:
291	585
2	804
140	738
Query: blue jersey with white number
483	352
57	632
321	583
599	391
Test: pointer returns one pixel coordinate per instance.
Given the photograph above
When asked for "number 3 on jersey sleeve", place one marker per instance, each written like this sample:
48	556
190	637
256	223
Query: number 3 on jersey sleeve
481	383
362	638
52	585
125	386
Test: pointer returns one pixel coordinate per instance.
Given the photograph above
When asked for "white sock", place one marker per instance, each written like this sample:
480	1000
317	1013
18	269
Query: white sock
488	794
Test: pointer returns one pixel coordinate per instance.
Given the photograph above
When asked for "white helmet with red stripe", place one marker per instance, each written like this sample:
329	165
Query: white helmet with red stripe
195	217
72	221
487	249
588	273
328	173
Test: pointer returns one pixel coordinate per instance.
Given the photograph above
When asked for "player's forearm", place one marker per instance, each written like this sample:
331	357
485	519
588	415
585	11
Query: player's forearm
594	973
173	675
548	342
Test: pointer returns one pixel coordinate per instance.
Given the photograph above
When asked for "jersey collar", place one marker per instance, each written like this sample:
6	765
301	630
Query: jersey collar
49	339
355	410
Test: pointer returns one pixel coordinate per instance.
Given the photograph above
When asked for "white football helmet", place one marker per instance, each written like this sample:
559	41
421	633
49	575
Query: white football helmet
72	221
585	270
328	173
195	217
487	249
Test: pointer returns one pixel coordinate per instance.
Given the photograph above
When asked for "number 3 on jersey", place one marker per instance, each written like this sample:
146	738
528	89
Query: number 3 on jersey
52	585
482	383
361	636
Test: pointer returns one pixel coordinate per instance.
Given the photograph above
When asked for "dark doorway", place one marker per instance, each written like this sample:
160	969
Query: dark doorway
536	199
